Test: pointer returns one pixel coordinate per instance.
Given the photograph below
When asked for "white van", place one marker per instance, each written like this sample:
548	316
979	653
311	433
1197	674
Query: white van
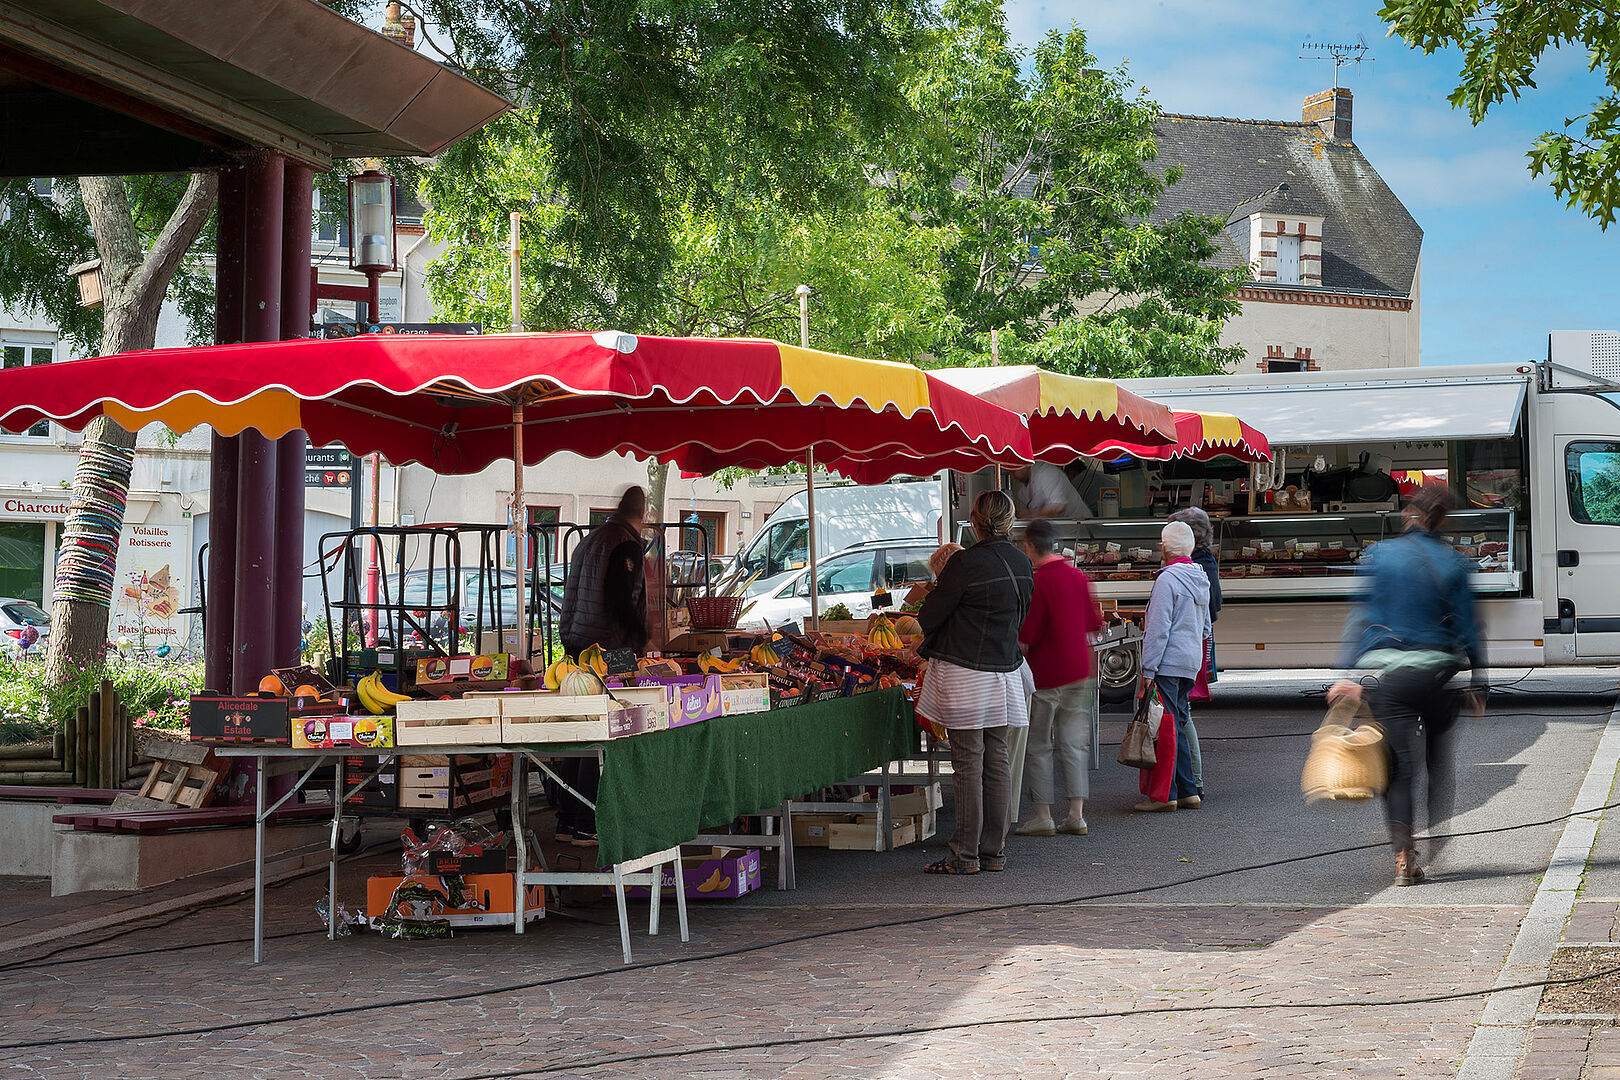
1532	451
846	515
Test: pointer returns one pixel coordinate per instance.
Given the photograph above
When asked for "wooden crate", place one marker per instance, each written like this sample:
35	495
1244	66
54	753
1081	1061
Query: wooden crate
545	716
470	721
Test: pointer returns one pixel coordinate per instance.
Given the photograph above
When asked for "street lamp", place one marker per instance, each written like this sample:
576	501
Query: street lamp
372	250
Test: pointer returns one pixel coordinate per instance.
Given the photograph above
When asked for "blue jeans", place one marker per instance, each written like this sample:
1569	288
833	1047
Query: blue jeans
1175	694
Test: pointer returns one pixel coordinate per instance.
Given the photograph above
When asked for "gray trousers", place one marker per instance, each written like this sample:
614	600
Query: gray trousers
981	784
1060	727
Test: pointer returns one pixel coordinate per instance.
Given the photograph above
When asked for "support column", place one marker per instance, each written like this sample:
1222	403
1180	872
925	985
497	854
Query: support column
220	615
253	639
297	227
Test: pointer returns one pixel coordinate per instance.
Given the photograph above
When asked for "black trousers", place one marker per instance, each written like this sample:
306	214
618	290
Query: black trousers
583	775
1418	713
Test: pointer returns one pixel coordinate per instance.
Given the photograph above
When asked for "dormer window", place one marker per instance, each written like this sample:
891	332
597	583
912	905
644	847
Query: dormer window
1286	250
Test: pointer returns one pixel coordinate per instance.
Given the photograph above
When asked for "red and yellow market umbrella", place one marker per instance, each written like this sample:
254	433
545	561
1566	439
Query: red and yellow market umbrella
1068	415
1201	436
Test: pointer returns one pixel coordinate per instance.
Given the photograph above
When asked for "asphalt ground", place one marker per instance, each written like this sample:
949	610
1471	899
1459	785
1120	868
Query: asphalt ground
1522	763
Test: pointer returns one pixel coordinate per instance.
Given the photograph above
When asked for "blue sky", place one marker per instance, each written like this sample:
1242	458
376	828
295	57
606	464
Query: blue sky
1503	261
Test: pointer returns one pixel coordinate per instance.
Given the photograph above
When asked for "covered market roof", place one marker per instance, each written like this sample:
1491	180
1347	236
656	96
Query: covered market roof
129	86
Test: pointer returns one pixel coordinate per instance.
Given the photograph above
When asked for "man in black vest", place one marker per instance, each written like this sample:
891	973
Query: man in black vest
604	603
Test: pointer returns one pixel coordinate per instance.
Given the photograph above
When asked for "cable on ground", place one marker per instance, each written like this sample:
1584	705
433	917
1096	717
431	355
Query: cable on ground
743	950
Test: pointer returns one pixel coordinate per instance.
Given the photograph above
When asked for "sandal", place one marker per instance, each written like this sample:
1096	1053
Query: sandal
945	866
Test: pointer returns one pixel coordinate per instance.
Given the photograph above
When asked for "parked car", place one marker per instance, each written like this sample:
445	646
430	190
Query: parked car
850	577
846	515
16	616
428	597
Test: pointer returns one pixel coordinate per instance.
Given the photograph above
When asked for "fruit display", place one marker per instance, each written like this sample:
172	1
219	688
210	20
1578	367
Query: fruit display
709	664
908	626
579	682
883	635
376	697
837	613
555	671
593	658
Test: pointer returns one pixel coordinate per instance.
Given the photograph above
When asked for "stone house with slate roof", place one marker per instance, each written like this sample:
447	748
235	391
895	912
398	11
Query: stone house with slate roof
1336	258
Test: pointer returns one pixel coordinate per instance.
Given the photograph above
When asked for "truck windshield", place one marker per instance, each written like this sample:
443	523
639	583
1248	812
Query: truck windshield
780	548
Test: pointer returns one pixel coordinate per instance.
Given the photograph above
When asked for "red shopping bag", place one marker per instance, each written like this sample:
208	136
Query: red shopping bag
1157	783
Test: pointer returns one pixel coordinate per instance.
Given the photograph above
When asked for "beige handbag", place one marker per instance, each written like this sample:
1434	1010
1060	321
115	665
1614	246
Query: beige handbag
1348	760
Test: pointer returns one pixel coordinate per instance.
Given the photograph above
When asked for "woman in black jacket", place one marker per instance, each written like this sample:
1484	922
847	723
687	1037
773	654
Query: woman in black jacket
974	685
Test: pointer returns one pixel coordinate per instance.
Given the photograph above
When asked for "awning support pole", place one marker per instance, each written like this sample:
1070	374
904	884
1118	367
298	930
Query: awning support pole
810	508
520	535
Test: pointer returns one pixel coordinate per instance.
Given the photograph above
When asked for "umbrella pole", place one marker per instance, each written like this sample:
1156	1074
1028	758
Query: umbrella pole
810	508
520	534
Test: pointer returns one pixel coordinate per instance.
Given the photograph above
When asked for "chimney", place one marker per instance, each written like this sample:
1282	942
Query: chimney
1330	111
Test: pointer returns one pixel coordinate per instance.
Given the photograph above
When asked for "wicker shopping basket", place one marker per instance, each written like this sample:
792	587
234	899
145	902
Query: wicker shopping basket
1348	759
713	612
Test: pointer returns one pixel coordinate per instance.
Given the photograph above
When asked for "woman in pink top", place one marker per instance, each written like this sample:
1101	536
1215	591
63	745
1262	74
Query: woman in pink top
1056	639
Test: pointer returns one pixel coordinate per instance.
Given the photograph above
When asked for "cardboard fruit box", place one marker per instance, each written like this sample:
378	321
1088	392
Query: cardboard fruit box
725	874
485	900
323	732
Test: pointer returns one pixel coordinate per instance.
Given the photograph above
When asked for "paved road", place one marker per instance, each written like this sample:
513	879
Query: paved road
1274	972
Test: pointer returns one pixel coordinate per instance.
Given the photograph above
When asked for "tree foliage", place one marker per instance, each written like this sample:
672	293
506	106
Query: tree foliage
1503	43
1045	185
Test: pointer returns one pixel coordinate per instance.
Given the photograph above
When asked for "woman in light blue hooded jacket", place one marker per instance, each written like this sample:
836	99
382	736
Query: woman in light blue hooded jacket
1172	654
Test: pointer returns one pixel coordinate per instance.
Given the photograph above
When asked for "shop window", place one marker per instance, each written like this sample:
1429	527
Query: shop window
16	354
22	561
1592	470
543	527
711	525
599	516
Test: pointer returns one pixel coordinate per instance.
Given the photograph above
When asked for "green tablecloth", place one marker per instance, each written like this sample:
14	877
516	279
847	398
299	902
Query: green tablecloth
663	788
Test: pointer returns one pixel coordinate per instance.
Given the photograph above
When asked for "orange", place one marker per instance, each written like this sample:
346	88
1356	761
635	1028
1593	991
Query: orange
307	691
272	684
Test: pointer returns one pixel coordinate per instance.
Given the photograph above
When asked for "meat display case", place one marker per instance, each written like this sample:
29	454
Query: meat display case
1286	556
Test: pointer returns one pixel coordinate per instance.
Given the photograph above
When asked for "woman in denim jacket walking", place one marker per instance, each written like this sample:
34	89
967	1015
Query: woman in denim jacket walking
1415	627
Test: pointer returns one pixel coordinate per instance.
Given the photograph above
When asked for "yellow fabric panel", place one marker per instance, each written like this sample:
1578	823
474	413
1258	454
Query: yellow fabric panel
1221	429
1081	397
272	413
809	373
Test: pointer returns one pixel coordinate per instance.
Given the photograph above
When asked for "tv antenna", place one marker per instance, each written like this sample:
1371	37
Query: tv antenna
1338	53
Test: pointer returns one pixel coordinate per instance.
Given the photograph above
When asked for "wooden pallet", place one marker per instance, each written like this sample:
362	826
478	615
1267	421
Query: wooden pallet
183	774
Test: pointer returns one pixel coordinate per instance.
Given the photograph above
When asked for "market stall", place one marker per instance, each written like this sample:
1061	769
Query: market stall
457	403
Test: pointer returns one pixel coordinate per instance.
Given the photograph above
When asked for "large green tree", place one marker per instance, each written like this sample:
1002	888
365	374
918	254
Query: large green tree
1503	43
1039	167
141	229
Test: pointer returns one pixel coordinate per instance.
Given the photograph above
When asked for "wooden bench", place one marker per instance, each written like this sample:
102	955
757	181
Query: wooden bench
147	822
67	795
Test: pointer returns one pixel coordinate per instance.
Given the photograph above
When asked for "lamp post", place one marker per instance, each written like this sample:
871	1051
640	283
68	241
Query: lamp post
372	247
373	252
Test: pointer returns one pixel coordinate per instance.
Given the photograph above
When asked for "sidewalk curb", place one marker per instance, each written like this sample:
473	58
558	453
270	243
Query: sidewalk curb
1498	1044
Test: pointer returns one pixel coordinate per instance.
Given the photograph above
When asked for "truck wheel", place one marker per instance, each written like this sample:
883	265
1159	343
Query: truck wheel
1119	668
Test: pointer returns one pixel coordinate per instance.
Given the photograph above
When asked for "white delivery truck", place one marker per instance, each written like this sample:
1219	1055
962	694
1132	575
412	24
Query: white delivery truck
846	515
1531	450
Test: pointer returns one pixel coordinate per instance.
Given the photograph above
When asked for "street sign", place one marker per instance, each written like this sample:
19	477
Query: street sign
328	468
343	330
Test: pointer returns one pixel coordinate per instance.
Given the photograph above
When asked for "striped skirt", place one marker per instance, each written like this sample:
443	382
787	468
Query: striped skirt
959	697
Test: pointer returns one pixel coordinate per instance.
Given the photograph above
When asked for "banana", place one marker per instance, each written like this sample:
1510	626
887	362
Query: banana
362	690
376	697
594	659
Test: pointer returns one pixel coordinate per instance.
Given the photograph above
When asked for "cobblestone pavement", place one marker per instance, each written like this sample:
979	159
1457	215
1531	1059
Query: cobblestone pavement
1306	970
1192	975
